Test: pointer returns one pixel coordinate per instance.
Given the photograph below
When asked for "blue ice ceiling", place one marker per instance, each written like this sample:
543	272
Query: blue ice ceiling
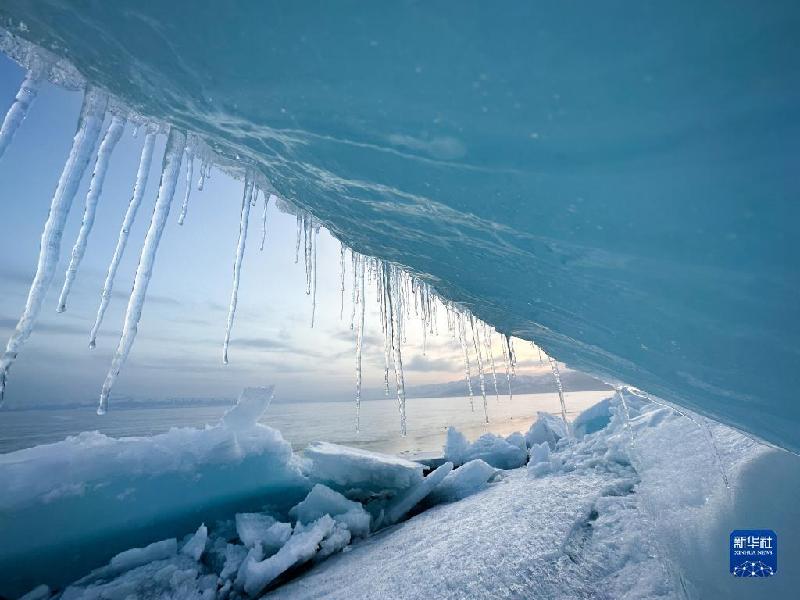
616	180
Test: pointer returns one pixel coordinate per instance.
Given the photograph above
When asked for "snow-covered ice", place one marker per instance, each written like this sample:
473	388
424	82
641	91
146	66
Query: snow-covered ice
620	512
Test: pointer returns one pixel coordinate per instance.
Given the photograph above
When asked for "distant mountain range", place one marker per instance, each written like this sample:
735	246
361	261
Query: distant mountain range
573	381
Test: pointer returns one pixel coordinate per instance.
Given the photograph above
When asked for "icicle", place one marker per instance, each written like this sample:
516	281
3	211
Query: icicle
386	324
308	238
237	264
560	389
110	139
201	181
477	344
341	277
487	342
355	291
462	334
512	357
267	198
122	240
507	365
297	244
89	125
359	339
170	171
189	173
19	109
314	277
394	334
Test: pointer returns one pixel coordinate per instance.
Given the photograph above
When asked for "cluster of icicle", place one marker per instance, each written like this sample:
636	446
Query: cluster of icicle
401	295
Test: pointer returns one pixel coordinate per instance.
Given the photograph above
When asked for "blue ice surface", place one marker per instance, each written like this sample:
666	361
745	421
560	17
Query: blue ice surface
617	180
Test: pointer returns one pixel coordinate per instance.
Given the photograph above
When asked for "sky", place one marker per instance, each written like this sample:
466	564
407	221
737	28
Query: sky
178	350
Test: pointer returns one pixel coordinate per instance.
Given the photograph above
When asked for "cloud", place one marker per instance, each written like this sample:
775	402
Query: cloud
57	328
422	363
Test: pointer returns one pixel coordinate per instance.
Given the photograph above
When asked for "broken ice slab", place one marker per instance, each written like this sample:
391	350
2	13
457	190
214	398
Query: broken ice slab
359	474
107	494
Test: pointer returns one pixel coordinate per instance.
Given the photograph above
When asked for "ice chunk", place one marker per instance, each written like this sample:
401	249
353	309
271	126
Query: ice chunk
497	452
501	453
259	528
302	546
125	492
546	428
539	463
359	473
175	577
337	540
252	403
517	439
322	500
234	557
196	545
593	419
398	507
464	481
456	446
136	557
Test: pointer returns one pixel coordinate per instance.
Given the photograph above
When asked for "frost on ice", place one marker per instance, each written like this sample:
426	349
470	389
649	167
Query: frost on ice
89	125
169	178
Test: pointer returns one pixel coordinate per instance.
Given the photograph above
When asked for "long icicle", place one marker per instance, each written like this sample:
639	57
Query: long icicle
560	388
110	139
237	264
297	242
89	125
476	342
189	174
360	265
487	343
462	335
267	198
170	170
341	277
395	337
506	364
314	276
122	240
19	109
